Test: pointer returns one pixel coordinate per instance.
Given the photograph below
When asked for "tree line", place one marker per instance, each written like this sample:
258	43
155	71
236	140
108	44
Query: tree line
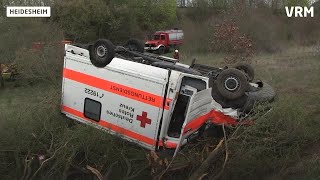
84	21
251	3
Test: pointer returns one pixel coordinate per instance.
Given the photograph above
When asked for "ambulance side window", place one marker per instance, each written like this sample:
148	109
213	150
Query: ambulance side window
92	109
196	83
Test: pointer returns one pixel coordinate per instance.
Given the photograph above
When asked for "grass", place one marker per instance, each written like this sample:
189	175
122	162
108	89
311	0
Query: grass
274	148
31	126
277	142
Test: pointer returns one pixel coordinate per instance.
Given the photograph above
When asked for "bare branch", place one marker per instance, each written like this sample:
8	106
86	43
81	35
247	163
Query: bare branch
206	164
47	160
95	172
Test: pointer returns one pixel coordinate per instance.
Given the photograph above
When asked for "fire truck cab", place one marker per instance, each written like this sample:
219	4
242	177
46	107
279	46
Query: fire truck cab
162	41
154	107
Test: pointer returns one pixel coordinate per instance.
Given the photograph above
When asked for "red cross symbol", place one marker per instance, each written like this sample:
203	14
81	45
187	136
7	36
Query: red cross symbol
144	120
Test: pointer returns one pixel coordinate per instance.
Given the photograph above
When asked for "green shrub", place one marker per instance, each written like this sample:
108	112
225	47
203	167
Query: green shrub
274	142
21	33
86	21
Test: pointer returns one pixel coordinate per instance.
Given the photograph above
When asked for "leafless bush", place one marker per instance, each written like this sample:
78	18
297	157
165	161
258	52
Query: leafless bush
268	31
44	65
41	63
227	38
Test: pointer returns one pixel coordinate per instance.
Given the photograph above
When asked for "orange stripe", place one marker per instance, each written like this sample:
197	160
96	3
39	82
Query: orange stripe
196	123
115	88
220	118
168	144
113	127
217	118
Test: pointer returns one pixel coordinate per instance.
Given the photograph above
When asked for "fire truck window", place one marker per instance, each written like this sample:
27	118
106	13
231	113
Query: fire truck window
92	109
156	37
163	37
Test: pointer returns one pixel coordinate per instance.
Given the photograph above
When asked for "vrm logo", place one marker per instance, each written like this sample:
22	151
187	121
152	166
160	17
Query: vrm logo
299	11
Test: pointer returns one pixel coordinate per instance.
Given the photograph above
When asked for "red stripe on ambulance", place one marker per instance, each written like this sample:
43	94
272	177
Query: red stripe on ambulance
168	144
115	88
216	117
113	127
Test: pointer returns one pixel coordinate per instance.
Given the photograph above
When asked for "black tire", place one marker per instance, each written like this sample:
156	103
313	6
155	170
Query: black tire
246	68
231	83
161	50
102	53
260	95
135	45
226	103
265	93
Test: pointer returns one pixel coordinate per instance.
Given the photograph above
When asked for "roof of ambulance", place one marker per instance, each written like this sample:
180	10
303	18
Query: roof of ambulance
138	68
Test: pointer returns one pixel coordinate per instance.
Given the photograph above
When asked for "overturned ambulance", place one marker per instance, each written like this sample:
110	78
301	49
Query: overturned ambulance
152	100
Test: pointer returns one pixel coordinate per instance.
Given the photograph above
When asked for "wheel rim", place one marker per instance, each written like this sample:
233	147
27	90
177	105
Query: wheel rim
231	84
101	51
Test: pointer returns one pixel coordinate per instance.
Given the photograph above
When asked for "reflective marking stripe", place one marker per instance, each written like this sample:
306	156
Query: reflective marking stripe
115	88
113	127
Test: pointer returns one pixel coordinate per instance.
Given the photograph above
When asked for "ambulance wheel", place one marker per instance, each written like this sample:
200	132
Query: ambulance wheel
102	53
247	69
232	83
161	50
262	94
135	45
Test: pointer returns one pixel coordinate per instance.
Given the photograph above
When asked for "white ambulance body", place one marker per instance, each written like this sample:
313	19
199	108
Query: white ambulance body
154	107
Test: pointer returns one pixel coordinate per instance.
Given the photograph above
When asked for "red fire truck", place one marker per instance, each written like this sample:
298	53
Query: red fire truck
162	41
